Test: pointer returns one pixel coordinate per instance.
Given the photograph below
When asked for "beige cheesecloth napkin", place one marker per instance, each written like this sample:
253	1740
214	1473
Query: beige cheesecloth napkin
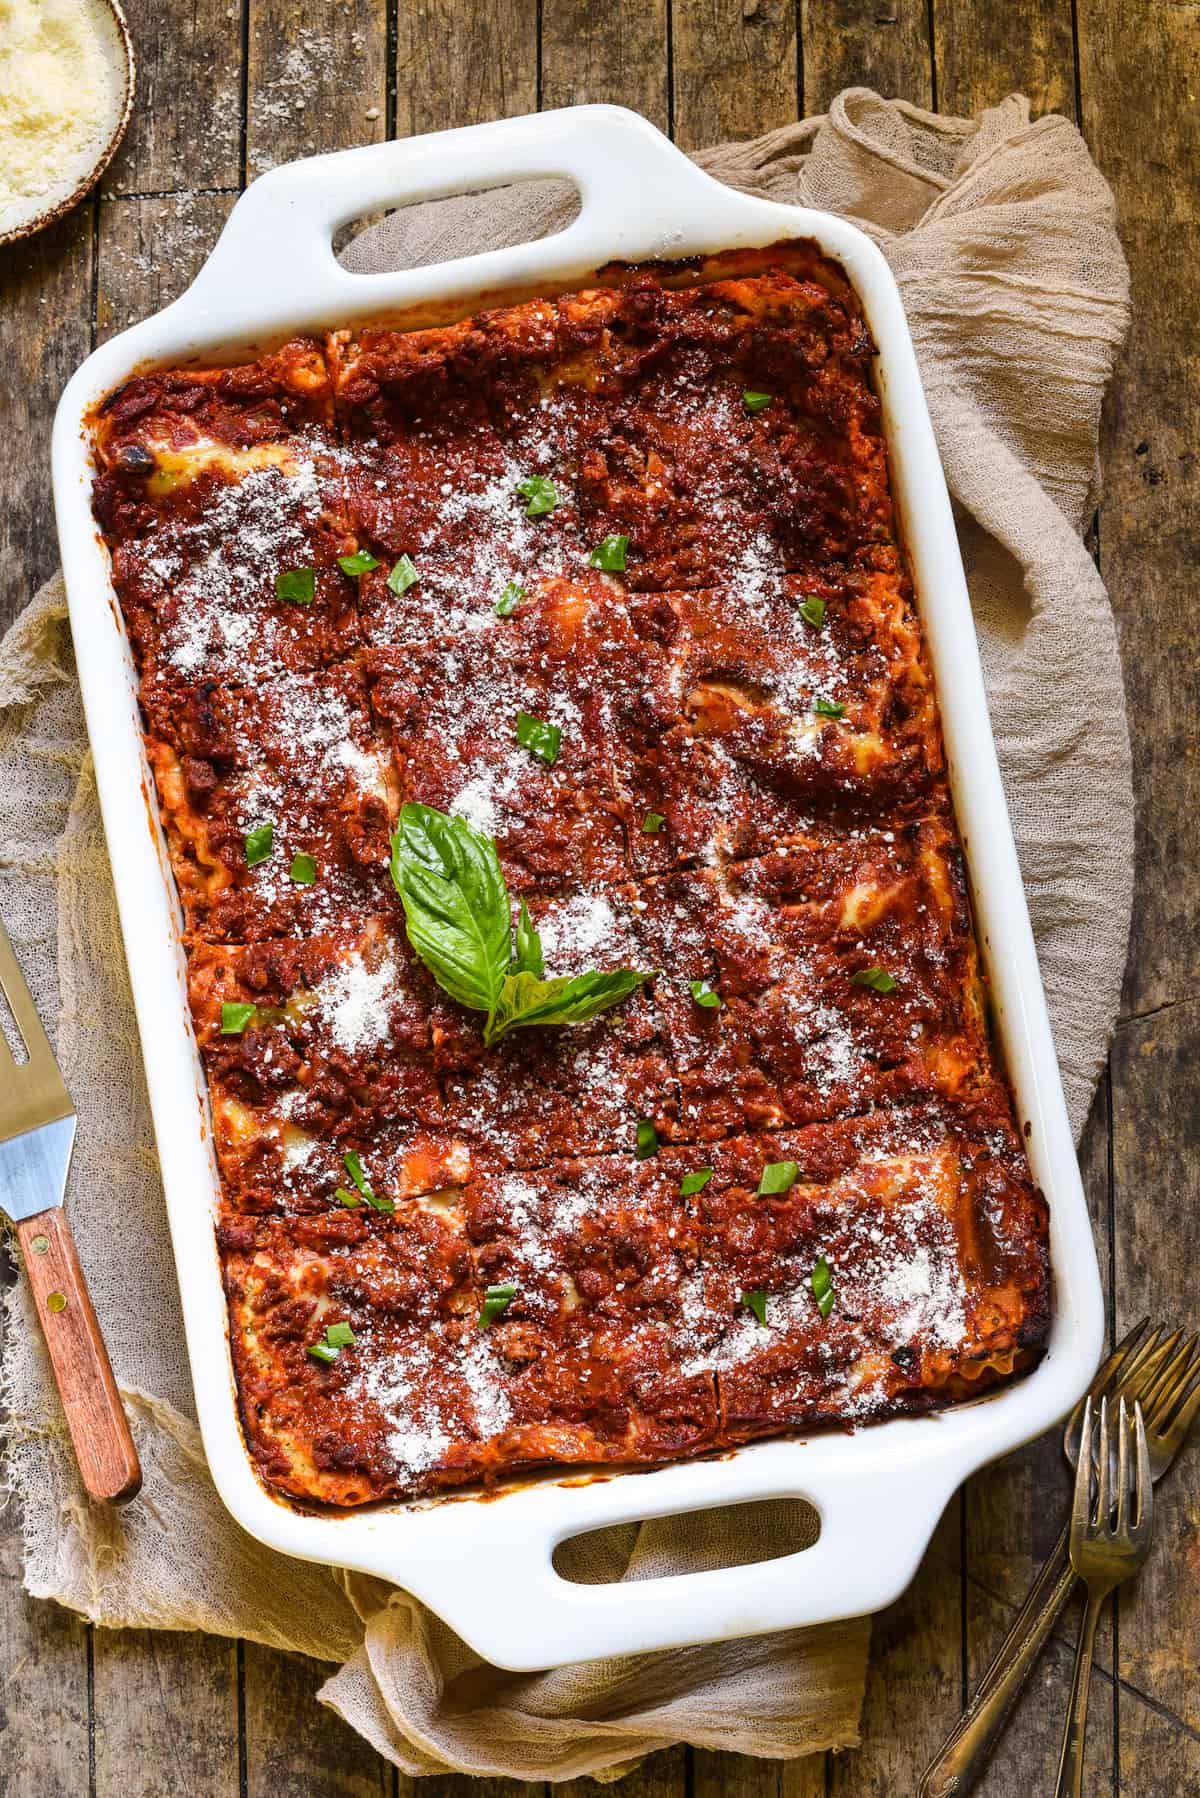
1001	235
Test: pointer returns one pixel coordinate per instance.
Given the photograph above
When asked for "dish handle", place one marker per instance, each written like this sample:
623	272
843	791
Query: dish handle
279	236
501	1592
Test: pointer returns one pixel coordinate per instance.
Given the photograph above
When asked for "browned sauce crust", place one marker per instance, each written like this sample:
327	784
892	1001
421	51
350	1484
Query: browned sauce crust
756	676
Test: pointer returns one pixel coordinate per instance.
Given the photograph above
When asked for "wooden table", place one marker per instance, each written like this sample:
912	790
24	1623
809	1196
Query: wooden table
230	87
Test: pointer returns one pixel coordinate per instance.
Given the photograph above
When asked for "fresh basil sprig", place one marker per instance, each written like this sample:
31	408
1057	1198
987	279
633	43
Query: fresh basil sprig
459	920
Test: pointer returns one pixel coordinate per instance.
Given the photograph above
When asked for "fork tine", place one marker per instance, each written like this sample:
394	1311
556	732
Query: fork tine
1171	1421
1144	1484
1131	1352
1123	1422
1081	1503
1104	1455
1168	1377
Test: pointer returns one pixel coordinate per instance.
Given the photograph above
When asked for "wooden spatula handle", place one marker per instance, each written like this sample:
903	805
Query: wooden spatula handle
104	1447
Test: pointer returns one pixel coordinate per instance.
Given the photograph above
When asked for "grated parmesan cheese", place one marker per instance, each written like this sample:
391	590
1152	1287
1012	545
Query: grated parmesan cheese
62	88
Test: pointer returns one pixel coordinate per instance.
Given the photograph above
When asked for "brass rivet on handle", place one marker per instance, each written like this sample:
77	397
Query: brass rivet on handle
57	1301
39	1244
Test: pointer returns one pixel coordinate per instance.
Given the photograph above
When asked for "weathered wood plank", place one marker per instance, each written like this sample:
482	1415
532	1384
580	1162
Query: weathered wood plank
734	68
882	44
982	52
166	1714
915	1678
186	129
149	250
45	333
715	1775
1156	1170
604	50
295	1747
1139	76
459	62
316	78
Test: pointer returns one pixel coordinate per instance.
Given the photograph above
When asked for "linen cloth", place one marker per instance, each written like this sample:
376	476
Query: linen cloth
1001	234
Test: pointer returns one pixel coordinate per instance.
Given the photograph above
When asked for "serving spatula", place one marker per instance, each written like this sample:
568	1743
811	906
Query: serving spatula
37	1134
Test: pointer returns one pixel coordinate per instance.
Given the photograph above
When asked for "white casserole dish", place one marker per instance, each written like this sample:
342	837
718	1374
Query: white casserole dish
485	1566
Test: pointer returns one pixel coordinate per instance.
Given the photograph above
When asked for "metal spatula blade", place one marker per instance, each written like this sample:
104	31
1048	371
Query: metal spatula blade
37	1135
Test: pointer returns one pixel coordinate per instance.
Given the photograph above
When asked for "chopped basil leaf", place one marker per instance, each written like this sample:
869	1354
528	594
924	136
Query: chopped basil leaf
234	1018
459	919
647	1139
540	493
403	576
695	1182
258	844
541	739
321	1351
303	869
878	979
361	562
828	708
756	1302
509	600
354	1168
299	585
340	1336
610	555
349	1199
704	994
822	1286
812	610
652	823
778	1176
754	402
496	1301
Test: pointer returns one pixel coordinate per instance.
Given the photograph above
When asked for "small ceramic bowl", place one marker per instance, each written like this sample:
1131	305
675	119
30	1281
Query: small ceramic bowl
61	199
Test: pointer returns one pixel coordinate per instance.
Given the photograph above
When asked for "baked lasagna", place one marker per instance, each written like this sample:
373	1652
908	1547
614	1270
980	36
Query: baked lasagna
610	585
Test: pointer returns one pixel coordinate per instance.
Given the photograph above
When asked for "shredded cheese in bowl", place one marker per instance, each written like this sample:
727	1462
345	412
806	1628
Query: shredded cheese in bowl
64	79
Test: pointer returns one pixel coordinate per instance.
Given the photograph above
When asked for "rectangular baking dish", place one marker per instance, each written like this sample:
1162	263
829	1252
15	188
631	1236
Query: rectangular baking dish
485	1565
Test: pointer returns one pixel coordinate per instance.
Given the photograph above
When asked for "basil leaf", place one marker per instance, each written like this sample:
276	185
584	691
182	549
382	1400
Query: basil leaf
321	1351
527	949
234	1018
303	869
754	402
298	585
756	1302
403	576
778	1176
610	555
695	1182
509	600
878	979
456	905
349	1199
496	1300
525	1000
361	562
647	1139
539	738
258	844
540	493
704	994
813	611
652	823
822	1286
828	708
340	1336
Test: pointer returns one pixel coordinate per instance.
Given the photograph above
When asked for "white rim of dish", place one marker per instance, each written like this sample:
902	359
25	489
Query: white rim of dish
59	208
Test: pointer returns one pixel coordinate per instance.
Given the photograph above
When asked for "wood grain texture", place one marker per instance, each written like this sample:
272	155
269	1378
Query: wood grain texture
460	62
316	78
166	1715
982	52
295	1747
1156	1170
1139	77
606	50
734	68
186	129
882	44
148	252
104	1451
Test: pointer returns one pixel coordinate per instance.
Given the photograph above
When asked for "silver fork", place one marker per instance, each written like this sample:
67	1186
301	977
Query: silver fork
37	1134
1162	1370
1109	1542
